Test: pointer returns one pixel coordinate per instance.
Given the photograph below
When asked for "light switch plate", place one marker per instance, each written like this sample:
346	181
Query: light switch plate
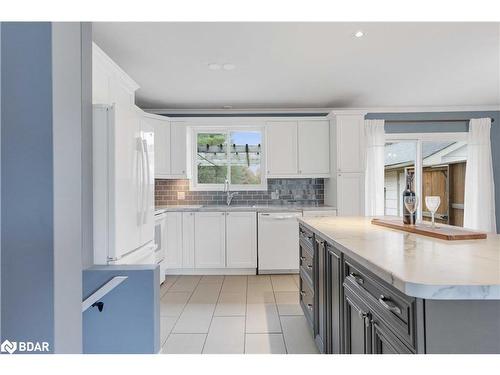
181	195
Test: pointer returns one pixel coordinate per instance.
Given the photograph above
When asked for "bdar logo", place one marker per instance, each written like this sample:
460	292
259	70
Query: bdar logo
9	347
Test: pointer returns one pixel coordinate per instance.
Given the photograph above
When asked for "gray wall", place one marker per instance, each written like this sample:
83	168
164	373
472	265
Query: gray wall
130	320
453	127
27	183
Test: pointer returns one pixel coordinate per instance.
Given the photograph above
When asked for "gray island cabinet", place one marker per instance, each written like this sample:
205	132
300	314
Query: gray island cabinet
371	290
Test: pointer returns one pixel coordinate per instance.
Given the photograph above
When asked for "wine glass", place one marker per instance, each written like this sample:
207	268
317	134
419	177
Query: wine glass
432	203
411	203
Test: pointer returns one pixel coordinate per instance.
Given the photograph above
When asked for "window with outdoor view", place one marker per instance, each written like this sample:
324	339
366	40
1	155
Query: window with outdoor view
434	164
233	155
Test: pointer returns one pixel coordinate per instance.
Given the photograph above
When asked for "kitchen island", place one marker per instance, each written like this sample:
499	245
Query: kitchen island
369	289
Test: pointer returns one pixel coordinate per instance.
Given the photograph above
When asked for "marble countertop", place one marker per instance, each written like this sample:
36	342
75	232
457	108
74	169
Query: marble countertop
419	266
236	208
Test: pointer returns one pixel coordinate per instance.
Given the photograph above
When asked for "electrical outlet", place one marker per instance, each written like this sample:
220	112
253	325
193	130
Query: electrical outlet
181	195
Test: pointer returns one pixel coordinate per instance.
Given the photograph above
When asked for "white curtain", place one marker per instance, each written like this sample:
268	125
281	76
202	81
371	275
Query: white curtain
374	172
479	202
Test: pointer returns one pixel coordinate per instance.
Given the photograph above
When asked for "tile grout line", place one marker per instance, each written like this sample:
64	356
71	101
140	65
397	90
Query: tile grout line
279	316
213	313
183	308
166	316
245	328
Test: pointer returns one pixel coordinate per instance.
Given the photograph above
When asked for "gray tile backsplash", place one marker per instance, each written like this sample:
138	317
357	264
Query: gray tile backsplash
307	191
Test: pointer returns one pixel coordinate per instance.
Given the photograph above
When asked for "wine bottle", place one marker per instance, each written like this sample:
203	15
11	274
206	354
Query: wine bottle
407	219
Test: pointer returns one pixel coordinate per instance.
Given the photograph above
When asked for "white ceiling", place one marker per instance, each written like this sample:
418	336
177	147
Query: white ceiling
307	65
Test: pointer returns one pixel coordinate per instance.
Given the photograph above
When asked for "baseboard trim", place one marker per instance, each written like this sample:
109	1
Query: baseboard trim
211	271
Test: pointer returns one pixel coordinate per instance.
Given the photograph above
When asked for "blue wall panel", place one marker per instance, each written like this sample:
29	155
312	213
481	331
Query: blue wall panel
130	320
27	183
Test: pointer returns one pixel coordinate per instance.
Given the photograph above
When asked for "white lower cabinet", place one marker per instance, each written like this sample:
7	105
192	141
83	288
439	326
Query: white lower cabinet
209	240
188	239
241	240
216	240
350	194
173	229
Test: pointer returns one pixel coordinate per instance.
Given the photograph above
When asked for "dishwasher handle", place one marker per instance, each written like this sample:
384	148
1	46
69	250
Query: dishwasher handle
283	217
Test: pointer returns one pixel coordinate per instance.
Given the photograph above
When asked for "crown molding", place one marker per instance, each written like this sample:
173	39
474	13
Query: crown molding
113	68
329	111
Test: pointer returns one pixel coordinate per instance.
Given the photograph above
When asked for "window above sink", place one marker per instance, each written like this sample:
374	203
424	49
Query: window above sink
235	154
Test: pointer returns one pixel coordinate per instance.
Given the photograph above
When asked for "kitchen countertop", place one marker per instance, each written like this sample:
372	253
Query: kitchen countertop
236	208
419	266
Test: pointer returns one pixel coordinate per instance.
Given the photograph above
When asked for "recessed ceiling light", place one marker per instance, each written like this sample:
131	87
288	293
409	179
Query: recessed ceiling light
228	66
214	66
359	34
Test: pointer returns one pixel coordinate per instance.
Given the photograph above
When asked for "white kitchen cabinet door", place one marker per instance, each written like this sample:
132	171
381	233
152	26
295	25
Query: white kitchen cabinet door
241	240
314	148
178	149
209	240
281	148
173	229
188	239
162	146
350	143
350	194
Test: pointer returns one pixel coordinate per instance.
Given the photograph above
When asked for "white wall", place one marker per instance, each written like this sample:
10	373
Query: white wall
68	114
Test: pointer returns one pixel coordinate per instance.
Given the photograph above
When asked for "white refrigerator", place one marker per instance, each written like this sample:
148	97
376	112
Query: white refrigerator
123	186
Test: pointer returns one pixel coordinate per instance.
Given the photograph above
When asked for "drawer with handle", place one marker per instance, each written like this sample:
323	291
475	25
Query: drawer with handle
306	237
306	261
396	308
306	295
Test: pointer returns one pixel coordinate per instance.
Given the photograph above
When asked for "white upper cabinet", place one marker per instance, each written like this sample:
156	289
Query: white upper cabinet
209	239
298	149
314	147
178	149
350	143
162	144
241	240
170	146
281	148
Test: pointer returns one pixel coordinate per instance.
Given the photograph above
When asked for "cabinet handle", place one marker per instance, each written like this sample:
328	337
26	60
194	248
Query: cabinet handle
302	258
358	279
391	306
320	242
309	266
309	306
302	293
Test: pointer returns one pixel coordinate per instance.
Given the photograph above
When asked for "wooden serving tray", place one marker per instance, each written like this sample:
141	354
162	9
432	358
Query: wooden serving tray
443	232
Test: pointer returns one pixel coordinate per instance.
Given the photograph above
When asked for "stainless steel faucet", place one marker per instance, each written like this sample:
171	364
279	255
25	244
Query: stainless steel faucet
229	195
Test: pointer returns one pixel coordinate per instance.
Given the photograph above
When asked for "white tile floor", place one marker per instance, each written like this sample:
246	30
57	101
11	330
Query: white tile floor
233	314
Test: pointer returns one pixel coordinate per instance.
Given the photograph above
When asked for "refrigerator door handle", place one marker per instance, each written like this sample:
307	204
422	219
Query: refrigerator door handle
147	181
141	180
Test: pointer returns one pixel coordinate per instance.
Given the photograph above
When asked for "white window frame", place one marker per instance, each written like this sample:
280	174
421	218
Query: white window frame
419	138
195	186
